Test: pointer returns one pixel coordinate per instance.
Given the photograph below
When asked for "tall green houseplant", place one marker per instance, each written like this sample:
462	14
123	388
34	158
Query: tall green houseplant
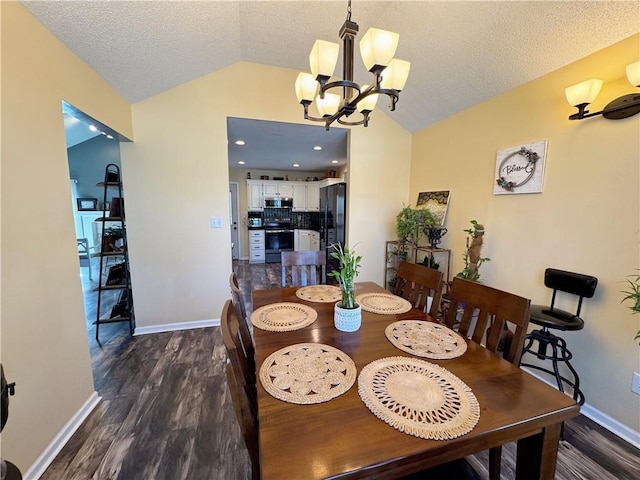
632	294
349	263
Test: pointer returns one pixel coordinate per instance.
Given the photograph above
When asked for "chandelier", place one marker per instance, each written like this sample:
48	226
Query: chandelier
377	49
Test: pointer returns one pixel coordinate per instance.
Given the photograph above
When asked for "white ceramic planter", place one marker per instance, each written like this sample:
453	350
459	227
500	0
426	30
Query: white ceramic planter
347	319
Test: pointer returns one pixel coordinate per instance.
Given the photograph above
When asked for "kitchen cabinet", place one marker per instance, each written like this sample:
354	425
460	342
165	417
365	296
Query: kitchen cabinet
277	189
306	197
306	240
254	195
256	246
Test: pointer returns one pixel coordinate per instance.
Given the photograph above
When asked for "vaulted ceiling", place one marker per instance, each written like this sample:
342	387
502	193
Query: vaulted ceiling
462	52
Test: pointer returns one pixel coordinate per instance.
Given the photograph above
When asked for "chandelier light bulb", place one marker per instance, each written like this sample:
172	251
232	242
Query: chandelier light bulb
323	58
306	87
329	104
395	75
378	47
368	103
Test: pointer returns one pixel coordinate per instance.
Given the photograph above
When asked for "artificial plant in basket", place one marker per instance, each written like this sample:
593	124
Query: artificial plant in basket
349	263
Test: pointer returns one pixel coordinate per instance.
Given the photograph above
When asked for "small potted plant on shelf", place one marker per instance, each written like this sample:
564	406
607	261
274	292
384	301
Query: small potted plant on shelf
410	224
347	314
113	239
632	294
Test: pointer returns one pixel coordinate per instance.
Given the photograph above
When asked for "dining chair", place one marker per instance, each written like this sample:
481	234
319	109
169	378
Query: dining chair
243	323
481	313
241	385
417	284
308	267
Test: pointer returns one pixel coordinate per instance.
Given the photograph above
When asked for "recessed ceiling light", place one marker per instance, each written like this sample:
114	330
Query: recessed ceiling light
317	147
93	128
296	165
110	137
334	161
239	142
240	162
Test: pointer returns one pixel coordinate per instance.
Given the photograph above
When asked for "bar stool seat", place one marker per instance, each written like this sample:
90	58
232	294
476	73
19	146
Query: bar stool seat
538	342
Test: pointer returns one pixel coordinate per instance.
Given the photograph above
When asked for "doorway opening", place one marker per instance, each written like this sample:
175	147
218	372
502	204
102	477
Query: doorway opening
91	146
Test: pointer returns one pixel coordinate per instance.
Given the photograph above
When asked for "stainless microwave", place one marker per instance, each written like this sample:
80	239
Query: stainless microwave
278	202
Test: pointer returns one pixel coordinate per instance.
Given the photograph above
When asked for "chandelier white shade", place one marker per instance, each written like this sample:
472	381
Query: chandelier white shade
377	49
396	74
323	58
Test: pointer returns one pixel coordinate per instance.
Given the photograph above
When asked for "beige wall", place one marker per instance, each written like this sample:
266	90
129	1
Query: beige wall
177	177
44	338
586	220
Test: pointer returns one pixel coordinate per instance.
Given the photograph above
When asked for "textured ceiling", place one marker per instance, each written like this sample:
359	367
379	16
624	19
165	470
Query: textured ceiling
462	52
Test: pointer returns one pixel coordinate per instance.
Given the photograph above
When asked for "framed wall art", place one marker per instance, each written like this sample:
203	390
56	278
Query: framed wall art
436	202
520	169
87	204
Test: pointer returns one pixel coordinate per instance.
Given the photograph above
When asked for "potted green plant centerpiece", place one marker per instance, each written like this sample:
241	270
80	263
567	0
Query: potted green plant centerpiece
348	314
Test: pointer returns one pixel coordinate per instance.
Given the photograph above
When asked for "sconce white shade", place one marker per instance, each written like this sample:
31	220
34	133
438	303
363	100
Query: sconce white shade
584	92
633	74
329	105
378	47
306	87
323	58
395	75
367	103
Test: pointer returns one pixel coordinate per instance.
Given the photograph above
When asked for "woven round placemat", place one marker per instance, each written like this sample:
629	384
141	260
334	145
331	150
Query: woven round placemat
418	398
426	339
320	293
384	303
283	317
307	373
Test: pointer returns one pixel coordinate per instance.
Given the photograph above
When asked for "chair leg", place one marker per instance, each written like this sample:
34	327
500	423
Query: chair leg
495	460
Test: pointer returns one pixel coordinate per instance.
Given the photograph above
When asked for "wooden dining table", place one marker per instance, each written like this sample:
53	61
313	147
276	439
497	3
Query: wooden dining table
341	438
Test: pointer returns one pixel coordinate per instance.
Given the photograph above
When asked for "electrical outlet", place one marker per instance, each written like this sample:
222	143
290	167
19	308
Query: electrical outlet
635	383
215	222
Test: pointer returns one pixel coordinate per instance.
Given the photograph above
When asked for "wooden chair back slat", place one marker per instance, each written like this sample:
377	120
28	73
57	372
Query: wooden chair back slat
416	283
308	267
494	309
243	323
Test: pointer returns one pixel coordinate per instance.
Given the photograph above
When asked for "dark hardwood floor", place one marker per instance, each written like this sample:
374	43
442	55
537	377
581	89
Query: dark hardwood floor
166	412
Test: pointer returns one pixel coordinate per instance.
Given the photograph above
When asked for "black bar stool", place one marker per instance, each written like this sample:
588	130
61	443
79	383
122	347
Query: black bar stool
551	318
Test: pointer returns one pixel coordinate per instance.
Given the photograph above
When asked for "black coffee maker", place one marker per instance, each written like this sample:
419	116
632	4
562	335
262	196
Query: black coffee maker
8	471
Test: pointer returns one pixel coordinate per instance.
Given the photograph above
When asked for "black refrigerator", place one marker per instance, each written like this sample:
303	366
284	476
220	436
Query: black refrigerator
333	221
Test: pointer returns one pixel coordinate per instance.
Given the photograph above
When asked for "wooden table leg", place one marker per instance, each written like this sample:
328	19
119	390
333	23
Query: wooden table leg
537	455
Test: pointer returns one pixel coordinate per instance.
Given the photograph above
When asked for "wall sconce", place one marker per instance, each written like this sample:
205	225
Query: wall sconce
582	94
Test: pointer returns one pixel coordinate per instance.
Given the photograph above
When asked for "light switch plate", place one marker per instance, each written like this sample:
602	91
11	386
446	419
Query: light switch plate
215	222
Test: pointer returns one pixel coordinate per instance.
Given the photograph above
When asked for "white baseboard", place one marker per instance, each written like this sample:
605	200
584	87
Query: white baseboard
173	327
60	440
614	426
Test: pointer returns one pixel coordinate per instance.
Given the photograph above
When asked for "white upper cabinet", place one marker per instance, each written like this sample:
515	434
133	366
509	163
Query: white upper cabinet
277	189
306	197
254	195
